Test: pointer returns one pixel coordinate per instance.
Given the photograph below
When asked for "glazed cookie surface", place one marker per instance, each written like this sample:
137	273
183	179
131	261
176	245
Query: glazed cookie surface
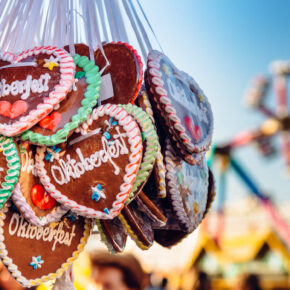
75	109
182	104
102	160
34	255
32	84
187	188
29	196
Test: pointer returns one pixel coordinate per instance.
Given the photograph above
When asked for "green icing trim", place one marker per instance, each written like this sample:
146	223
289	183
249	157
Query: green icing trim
13	163
104	237
150	135
93	78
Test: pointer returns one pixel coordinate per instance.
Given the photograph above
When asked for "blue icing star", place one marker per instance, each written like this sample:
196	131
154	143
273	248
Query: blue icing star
107	135
106	210
98	192
48	157
113	123
36	262
72	217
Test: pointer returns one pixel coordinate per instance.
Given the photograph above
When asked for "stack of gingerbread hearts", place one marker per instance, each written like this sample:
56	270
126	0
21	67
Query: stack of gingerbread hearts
83	143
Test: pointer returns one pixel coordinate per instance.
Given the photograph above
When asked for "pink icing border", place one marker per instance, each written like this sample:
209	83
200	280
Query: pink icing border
29	214
67	69
135	141
154	74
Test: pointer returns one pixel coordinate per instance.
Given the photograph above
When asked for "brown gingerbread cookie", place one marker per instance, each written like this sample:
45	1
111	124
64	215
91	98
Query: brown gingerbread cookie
138	226
75	109
183	106
124	70
187	188
32	84
149	207
30	197
113	234
34	255
102	161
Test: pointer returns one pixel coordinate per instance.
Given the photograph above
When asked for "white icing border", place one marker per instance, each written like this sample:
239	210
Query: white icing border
134	139
13	269
154	74
175	197
67	69
30	215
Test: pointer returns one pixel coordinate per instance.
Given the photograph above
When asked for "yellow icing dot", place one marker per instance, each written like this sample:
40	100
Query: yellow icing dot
200	98
195	207
165	69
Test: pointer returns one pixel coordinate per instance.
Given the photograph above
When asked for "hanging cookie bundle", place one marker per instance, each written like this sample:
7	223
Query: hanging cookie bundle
88	137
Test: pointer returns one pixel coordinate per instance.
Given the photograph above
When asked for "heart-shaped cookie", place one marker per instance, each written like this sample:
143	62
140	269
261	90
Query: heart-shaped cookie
9	168
94	173
75	109
29	196
113	234
159	169
138	226
150	146
183	106
123	72
187	188
31	85
34	255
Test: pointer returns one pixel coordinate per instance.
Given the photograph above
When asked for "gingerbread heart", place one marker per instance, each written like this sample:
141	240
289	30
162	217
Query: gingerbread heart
94	173
123	71
31	85
183	106
159	168
72	111
187	188
34	255
29	195
138	226
150	146
9	168
113	234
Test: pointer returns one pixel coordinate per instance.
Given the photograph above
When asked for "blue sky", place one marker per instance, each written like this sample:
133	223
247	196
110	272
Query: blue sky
223	44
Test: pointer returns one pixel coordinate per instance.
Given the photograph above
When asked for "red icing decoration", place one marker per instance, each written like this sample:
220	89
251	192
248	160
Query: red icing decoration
41	198
51	121
13	111
194	130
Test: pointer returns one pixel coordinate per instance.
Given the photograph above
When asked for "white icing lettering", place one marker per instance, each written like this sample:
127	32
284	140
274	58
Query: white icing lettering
25	87
28	164
71	168
58	235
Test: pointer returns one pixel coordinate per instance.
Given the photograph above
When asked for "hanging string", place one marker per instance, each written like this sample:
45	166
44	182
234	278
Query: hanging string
120	22
139	39
71	28
89	31
141	27
149	25
112	26
102	17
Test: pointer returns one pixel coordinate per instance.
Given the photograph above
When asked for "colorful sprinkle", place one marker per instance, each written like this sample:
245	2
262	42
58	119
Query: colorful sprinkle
79	74
51	63
106	210
107	135
36	262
